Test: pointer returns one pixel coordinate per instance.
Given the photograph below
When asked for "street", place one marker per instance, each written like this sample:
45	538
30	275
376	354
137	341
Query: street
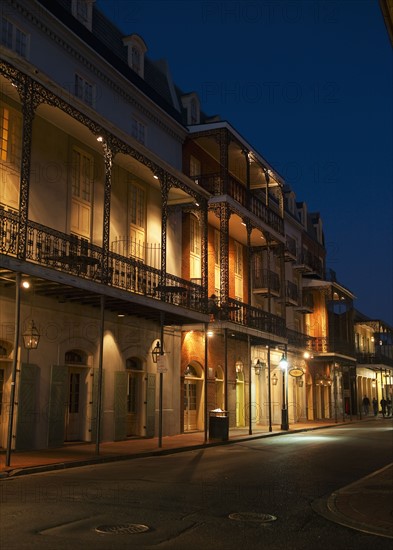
259	493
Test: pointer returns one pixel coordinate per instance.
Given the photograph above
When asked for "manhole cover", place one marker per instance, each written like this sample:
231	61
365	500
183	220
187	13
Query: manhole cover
252	516
122	529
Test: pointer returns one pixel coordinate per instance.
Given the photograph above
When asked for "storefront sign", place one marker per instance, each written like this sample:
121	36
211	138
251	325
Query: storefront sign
296	372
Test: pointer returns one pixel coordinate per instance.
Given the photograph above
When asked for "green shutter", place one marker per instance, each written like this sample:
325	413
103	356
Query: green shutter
120	405
93	427
57	405
150	405
27	413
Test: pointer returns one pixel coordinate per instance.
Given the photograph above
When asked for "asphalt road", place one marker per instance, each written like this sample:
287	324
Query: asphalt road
254	494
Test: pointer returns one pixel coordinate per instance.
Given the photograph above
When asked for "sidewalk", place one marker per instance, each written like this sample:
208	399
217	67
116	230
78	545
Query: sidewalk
366	505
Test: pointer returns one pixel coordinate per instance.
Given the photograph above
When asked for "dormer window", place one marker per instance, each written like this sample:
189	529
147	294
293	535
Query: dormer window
136	53
190	102
83	11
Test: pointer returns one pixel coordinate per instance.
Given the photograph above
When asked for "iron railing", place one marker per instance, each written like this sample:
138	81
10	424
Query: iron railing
228	185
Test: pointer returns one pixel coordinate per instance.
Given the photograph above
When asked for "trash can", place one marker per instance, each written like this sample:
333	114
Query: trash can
218	425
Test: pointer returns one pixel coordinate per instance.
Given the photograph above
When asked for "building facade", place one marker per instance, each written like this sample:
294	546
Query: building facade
154	266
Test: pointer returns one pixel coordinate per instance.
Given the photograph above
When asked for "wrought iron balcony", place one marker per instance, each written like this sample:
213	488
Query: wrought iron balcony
291	293
243	314
326	345
374	359
308	263
228	185
76	256
307	305
290	250
266	282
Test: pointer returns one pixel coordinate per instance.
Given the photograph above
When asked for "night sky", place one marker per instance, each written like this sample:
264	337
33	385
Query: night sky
309	85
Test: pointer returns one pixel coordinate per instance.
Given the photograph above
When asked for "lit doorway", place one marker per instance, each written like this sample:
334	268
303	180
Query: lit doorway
134	396
75	417
192	397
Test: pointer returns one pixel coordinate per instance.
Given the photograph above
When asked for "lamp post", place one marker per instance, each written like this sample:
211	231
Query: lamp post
283	364
31	338
157	351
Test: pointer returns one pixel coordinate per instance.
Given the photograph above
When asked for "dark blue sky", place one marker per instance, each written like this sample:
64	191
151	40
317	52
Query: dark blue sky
309	85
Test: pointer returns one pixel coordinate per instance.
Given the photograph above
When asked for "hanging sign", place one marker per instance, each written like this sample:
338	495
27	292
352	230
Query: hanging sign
296	372
161	364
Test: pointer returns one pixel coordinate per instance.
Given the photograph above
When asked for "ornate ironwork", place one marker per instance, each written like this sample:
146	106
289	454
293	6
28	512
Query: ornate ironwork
165	187
30	103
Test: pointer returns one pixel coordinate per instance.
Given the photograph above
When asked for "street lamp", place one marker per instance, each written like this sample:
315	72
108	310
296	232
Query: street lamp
31	337
283	364
156	352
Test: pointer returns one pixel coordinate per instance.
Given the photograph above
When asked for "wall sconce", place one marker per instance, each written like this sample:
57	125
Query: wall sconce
238	366
188	371
31	336
300	382
258	366
274	379
156	352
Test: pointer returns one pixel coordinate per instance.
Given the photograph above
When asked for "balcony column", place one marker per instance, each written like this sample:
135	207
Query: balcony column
30	102
248	175
204	246
224	215
267	179
249	262
109	154
223	141
165	187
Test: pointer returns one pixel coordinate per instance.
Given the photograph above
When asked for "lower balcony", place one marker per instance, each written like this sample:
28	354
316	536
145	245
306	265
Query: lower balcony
79	258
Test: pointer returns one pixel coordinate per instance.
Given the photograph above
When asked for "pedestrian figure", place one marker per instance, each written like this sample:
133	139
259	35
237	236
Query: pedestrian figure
366	404
383	403
389	406
375	406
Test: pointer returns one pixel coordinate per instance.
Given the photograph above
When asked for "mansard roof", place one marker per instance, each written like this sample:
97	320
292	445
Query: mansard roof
107	40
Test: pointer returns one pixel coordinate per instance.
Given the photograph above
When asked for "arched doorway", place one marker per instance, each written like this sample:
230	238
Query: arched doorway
193	397
75	418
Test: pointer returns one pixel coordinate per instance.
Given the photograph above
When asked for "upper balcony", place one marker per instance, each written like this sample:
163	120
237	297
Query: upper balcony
377	358
323	345
266	282
234	188
290	249
309	264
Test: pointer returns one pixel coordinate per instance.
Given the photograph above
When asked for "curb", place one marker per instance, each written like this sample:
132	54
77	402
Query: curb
28	470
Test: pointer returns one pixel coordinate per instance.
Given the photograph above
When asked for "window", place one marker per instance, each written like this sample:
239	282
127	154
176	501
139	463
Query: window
195	168
137	220
238	259
138	130
82	10
136	49
136	59
195	236
75	357
84	90
13	38
81	176
10	136
82	191
137	206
